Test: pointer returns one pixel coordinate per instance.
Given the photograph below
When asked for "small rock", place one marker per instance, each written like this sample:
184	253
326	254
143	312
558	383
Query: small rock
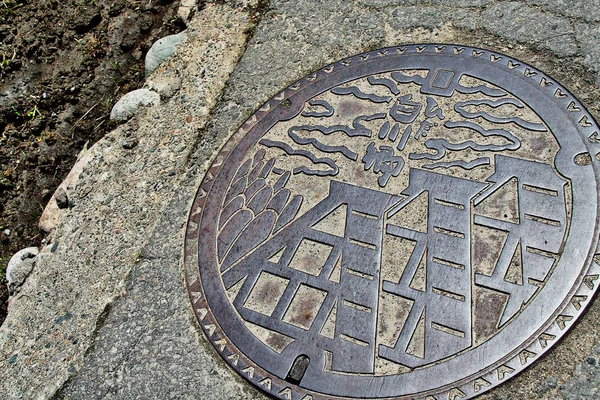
6	232
161	50
19	267
130	104
62	200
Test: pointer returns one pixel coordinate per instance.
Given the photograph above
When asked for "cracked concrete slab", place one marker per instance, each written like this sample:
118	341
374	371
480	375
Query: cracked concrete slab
106	314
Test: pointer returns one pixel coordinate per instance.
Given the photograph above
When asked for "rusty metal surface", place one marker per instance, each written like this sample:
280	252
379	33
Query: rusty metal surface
412	222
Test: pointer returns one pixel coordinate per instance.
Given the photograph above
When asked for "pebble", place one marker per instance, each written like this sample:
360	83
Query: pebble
6	232
19	267
161	50
131	104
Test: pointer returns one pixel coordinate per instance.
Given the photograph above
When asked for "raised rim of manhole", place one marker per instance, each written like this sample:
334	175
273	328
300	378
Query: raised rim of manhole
418	221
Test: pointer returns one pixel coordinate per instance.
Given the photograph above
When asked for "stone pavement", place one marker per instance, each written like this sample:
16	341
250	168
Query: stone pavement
105	313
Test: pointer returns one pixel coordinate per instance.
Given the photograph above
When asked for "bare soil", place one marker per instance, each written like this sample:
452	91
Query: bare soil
63	65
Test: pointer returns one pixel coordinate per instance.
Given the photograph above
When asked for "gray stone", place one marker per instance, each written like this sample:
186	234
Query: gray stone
19	267
524	24
131	104
161	50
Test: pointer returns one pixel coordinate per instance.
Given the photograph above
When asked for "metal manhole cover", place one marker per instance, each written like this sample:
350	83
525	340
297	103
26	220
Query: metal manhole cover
412	222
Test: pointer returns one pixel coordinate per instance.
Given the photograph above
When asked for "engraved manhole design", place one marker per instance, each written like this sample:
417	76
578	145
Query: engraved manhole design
412	222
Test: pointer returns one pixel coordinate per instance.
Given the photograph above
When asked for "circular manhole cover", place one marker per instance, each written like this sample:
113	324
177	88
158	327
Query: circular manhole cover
417	221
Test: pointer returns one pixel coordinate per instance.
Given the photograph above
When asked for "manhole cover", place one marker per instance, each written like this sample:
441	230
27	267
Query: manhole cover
413	222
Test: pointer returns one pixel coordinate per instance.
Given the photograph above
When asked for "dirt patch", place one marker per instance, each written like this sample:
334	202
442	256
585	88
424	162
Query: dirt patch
63	65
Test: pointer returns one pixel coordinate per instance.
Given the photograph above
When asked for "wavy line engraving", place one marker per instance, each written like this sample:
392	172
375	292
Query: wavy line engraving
322	146
492	92
304	170
459	108
388	83
327	113
401	78
460	164
441	145
356	130
356	92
